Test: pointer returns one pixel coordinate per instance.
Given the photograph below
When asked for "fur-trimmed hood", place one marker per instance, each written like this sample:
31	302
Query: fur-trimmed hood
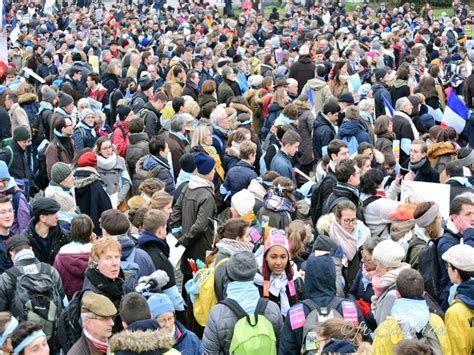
27	98
85	177
141	342
302	105
436	150
242	108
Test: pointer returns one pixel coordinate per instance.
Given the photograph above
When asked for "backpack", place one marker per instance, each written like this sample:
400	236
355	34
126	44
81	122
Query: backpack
319	315
41	177
429	268
6	142
263	165
203	282
69	322
317	198
439	163
352	144
131	272
37	296
414	242
253	334
16	203
427	335
124	133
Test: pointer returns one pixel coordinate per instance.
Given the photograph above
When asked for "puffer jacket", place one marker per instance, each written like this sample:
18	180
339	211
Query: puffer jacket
152	167
239	177
459	319
320	287
440	154
84	136
320	90
117	179
384	142
379	91
71	263
323	133
220	327
137	148
91	197
281	163
192	211
305	128
274	111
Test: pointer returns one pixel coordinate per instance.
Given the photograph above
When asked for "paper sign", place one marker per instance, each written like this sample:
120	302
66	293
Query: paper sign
26	19
98	14
14	34
426	191
354	83
114	200
279	55
176	252
94	62
3	48
468	31
31	73
297	317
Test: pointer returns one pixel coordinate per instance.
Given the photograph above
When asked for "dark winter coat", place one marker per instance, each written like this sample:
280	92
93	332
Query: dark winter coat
305	128
302	71
91	197
83	137
281	163
403	130
343	192
384	143
151	119
190	90
19	168
274	111
319	287
224	92
323	133
177	148
239	177
353	128
83	347
379	91
137	148
46	249
427	173
150	166
205	99
398	90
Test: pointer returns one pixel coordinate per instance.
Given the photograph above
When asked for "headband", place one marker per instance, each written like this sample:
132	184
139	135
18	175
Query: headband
428	217
28	340
466	161
8	331
243	123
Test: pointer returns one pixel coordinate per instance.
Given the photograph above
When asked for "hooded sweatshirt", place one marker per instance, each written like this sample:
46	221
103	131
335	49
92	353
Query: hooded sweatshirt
319	287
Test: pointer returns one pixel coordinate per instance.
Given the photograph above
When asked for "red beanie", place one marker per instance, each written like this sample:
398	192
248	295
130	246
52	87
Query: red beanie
87	159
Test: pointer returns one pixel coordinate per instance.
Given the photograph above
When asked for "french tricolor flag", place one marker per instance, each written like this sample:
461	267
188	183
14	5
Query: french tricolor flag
455	114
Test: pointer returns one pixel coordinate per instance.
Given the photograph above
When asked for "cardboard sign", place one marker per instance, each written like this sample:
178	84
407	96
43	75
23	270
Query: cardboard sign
418	191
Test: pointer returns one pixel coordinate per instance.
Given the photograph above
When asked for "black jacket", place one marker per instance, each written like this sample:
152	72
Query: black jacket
302	71
190	90
46	249
457	188
379	90
340	193
151	119
5	126
19	168
427	173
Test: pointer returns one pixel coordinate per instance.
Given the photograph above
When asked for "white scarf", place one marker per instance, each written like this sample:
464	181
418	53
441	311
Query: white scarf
277	288
107	163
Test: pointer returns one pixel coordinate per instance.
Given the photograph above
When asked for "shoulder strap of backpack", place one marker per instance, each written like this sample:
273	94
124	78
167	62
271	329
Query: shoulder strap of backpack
261	306
335	302
370	199
10	161
16	201
14	272
221	143
234	307
310	303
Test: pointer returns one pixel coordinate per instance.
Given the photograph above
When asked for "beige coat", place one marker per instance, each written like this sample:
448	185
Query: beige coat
18	116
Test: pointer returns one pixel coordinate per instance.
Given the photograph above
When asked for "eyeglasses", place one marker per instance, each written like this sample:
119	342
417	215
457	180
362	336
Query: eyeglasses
349	221
5	212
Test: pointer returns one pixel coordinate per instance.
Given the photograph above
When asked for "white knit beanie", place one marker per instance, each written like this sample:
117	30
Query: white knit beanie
243	202
388	253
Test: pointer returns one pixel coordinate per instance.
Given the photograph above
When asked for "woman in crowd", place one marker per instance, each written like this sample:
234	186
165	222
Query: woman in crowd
113	171
162	201
338	83
299	236
84	133
8	324
383	129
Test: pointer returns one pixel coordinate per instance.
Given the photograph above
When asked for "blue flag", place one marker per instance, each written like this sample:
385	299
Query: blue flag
389	111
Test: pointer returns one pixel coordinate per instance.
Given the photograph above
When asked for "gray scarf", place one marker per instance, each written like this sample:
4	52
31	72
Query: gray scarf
416	166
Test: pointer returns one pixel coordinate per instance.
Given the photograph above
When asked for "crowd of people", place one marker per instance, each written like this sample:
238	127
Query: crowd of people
175	180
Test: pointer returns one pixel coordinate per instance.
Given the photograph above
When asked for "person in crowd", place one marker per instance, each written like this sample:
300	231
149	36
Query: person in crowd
281	163
44	233
459	314
8	324
177	139
73	258
383	129
156	164
299	236
456	179
121	129
353	128
91	198
404	128
317	88
162	201
84	134
162	311
113	171
191	212
419	165
137	146
16	156
320	288
62	147
29	338
97	320
64	110
411	315
324	131
387	256
241	269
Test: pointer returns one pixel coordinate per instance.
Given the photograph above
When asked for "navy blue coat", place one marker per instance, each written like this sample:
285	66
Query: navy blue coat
239	177
83	137
274	111
320	287
281	163
323	133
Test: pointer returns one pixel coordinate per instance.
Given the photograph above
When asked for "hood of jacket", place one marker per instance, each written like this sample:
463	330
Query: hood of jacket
197	182
466	293
127	245
414	313
439	149
305	59
135	138
320	286
140	341
148	166
241	107
399	83
109	77
84	178
74	263
27	98
350	128
377	87
316	84
205	98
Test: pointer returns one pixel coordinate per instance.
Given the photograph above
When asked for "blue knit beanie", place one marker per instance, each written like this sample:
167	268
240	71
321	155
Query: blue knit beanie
204	163
159	304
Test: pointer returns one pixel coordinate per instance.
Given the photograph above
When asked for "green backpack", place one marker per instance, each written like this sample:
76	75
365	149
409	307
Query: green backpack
253	334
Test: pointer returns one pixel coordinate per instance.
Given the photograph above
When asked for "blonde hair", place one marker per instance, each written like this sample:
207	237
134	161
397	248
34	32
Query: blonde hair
296	238
160	199
199	135
192	108
101	246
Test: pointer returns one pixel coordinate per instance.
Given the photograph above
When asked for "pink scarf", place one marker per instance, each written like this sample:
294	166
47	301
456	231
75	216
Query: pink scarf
346	240
99	345
380	283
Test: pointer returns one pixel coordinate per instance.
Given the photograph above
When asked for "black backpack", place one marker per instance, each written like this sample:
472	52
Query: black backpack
317	199
69	322
41	177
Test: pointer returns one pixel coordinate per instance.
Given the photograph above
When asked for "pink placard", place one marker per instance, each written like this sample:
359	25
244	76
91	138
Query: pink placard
297	317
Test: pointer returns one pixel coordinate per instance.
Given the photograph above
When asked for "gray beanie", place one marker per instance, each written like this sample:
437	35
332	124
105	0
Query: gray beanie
21	133
48	94
86	112
241	266
64	99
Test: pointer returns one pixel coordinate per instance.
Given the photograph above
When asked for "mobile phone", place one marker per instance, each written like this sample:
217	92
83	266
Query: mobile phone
404	171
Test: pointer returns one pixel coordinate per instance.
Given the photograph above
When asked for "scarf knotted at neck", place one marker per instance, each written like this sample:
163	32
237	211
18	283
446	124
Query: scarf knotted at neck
346	240
112	289
415	167
99	345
